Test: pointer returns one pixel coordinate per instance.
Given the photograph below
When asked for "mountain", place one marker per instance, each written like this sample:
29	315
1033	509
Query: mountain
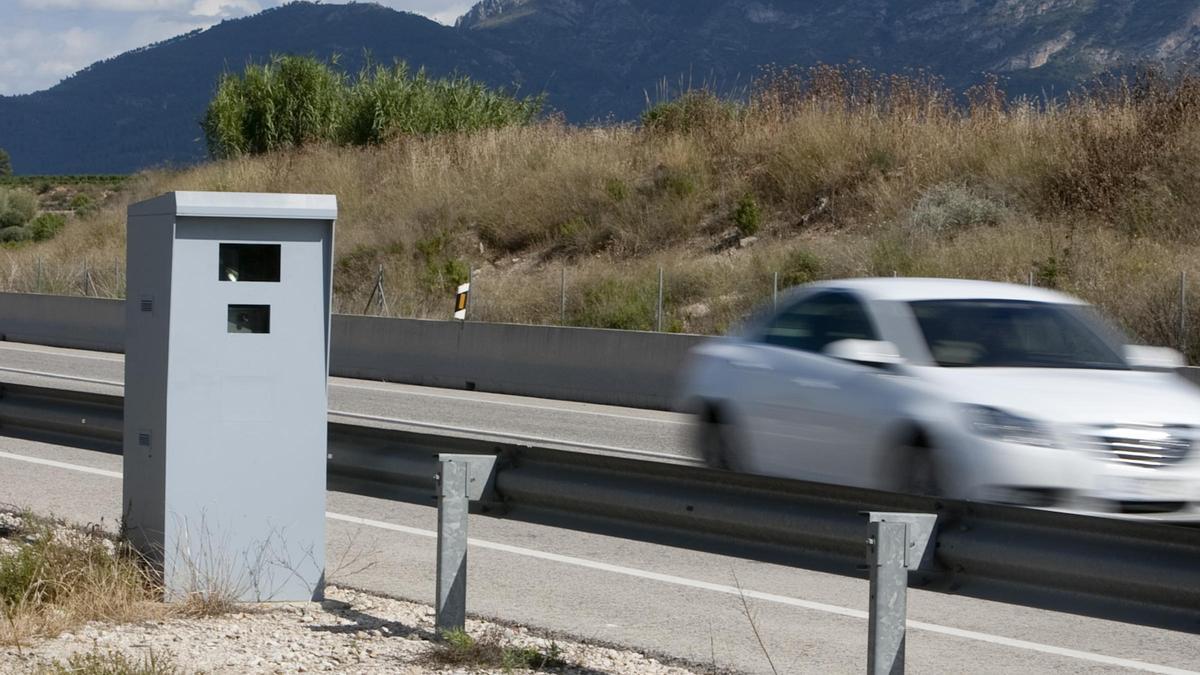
596	59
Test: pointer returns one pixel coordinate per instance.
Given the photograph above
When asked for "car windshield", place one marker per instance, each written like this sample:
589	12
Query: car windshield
1016	334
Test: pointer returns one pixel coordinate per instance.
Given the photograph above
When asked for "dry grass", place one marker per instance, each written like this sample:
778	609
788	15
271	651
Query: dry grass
852	174
491	650
58	578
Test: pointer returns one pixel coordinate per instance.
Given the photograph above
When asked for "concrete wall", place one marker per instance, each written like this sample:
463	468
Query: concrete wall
63	321
575	364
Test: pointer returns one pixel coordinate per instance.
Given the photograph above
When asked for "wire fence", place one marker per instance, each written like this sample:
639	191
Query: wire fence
1164	315
650	303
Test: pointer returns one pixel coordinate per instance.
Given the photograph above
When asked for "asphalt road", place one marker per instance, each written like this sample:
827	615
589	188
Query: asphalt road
701	607
547	422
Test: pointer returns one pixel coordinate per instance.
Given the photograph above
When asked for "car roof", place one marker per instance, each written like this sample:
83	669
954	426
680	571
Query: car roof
908	289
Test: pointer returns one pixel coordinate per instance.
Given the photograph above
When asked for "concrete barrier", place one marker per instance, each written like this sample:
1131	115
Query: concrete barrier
63	321
611	367
614	367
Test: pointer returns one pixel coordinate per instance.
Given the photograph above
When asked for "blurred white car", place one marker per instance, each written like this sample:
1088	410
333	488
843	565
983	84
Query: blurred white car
966	389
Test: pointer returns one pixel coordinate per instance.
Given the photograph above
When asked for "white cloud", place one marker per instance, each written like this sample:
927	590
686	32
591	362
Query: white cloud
106	5
224	8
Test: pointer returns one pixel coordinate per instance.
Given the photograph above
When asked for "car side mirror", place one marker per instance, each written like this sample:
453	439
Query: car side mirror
866	352
1141	357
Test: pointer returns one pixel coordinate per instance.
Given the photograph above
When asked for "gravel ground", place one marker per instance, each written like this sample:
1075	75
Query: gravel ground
350	632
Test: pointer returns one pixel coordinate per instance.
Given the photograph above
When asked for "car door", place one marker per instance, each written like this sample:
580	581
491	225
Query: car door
812	416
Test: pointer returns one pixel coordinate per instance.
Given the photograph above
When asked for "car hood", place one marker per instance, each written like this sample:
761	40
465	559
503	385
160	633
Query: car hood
1072	396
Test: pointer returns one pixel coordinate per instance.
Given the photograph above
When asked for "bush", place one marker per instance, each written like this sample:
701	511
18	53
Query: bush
115	663
800	267
457	648
694	110
951	207
294	100
17	207
83	205
45	226
5	163
14	234
747	215
617	303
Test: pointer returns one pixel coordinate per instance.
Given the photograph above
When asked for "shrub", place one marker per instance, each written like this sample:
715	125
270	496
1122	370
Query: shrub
115	663
387	102
294	100
457	648
45	226
951	207
617	303
17	207
14	234
800	267
5	163
693	110
83	205
746	216
287	102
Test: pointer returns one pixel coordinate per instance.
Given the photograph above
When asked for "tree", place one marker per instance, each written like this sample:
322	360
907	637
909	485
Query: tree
5	163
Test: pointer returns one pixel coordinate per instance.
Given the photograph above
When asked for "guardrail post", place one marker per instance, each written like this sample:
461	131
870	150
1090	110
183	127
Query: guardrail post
461	478
896	544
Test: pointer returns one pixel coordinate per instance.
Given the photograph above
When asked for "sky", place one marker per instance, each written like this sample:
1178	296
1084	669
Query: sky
43	41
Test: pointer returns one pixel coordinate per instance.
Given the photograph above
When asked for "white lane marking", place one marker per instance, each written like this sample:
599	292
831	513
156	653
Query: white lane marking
476	399
517	437
61	465
57	351
58	376
708	586
771	597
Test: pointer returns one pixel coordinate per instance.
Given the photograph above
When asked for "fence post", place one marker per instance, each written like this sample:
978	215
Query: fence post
470	292
775	292
562	298
460	479
659	313
1183	311
896	544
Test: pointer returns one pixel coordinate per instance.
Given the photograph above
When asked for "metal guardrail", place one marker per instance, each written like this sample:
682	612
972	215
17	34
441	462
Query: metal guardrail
1132	571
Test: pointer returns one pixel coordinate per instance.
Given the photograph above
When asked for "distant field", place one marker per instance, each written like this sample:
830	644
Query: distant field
114	180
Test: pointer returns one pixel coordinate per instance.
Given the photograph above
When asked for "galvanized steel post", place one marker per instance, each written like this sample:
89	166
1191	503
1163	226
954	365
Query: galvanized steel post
451	594
896	543
461	479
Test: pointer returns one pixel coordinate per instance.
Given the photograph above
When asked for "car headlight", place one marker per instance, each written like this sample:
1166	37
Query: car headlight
1005	426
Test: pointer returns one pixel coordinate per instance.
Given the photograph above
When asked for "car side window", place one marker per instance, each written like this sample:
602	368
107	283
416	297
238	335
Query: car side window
813	323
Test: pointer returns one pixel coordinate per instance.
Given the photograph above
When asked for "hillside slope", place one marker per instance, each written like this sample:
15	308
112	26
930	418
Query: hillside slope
597	59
